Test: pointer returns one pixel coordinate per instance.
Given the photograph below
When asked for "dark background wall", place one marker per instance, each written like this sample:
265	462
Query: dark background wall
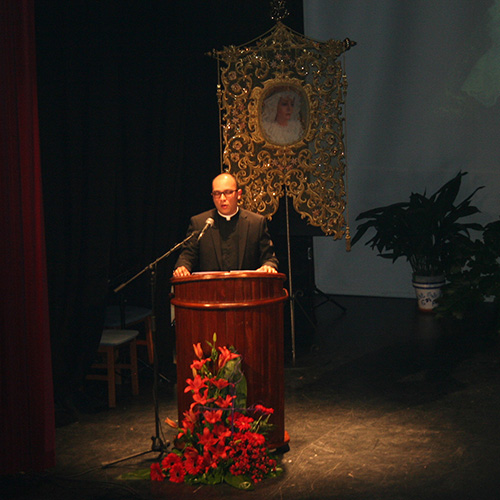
129	145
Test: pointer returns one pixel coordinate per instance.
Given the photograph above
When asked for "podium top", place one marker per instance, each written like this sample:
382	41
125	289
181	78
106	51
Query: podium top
218	275
220	290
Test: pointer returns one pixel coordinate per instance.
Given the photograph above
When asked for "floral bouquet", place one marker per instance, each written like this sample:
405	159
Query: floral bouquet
219	439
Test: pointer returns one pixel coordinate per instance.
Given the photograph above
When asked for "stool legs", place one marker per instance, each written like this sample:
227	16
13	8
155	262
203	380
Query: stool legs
133	367
113	369
111	374
148	341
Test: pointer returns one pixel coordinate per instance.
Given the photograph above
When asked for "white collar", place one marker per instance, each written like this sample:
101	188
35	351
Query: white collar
229	217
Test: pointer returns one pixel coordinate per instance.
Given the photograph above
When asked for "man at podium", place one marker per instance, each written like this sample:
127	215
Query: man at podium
227	237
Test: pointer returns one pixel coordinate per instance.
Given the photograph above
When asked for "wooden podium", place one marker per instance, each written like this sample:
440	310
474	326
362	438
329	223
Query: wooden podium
245	310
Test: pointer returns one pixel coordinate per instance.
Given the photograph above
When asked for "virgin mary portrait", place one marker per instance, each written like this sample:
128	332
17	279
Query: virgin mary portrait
281	117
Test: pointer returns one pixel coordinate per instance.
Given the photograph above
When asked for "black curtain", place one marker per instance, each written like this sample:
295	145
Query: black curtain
129	145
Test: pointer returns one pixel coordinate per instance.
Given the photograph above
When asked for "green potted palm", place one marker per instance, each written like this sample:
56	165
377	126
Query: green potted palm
428	231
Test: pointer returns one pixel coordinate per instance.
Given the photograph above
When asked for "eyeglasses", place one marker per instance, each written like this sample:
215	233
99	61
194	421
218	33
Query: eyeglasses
226	193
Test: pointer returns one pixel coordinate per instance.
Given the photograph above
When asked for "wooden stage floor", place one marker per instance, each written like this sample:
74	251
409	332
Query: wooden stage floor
381	404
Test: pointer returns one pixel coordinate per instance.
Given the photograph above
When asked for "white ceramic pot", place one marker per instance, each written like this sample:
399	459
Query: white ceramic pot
428	290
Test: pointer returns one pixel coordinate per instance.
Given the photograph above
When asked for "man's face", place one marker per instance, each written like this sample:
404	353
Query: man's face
225	194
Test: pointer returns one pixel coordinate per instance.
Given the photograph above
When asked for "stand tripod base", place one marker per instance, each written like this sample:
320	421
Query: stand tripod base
149	367
328	299
295	301
157	447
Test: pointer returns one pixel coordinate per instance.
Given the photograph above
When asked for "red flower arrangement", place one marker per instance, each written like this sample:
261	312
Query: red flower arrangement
219	439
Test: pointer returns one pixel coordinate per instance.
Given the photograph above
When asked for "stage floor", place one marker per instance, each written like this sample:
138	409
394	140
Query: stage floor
381	404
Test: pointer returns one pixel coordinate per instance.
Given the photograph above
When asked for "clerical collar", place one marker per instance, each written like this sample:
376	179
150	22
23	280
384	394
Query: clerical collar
229	217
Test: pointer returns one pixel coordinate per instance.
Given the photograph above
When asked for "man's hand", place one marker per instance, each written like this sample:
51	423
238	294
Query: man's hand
181	272
267	269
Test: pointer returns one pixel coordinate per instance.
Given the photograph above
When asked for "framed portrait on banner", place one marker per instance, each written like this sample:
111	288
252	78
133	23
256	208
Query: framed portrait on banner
283	114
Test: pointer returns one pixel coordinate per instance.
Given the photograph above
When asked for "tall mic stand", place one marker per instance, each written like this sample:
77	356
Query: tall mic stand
157	443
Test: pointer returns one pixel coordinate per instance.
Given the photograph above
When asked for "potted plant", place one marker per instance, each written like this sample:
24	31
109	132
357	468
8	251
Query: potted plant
476	285
427	231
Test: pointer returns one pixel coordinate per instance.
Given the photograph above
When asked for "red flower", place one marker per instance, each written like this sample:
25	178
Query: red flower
188	422
193	461
220	452
221	432
198	350
156	472
177	473
199	399
171	423
225	402
263	409
170	460
248	457
190	453
207	439
212	417
196	384
225	356
255	439
198	364
191	416
220	383
242	422
194	465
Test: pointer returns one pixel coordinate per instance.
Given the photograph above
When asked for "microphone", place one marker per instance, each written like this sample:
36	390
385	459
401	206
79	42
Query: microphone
208	223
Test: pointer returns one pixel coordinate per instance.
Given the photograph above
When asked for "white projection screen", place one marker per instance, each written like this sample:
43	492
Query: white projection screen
422	104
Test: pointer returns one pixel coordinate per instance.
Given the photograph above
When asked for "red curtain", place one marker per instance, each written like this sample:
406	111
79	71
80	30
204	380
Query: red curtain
27	428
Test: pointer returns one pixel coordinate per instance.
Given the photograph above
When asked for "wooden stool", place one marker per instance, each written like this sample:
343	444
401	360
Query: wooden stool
112	341
130	316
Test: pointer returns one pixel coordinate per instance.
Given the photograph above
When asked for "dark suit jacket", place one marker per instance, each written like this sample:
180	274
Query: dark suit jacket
255	245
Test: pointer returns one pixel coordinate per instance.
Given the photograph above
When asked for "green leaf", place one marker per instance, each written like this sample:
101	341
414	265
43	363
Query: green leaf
425	230
240	482
140	475
277	472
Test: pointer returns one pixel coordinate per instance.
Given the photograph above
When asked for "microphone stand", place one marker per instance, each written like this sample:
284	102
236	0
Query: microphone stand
157	443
